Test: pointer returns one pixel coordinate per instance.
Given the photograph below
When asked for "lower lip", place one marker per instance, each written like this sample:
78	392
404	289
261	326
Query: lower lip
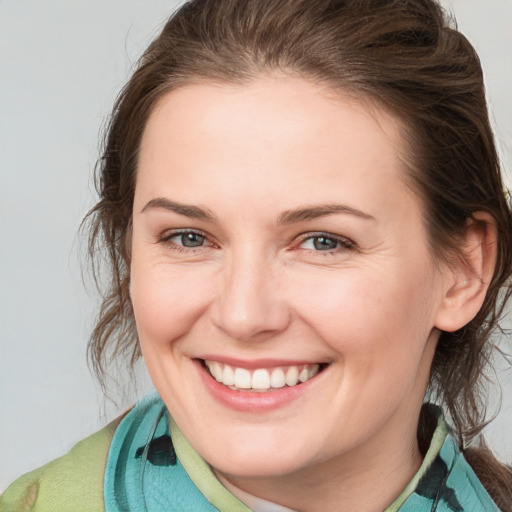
255	402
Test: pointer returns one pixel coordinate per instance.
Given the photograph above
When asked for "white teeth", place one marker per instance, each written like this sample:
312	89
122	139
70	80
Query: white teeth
292	376
277	378
242	378
229	376
261	379
304	375
216	371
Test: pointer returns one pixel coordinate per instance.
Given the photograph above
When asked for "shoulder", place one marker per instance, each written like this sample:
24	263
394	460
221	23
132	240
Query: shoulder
71	482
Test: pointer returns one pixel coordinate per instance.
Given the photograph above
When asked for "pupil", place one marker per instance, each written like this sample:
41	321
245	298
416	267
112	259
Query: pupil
192	240
322	243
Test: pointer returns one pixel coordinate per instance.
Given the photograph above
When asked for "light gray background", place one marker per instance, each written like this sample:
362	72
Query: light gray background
62	64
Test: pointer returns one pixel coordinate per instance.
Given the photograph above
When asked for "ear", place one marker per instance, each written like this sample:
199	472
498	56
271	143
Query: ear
469	274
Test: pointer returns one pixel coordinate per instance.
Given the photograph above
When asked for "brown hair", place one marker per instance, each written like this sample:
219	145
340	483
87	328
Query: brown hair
404	53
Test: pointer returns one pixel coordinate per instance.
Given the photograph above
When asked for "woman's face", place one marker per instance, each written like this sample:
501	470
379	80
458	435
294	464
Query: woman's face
275	241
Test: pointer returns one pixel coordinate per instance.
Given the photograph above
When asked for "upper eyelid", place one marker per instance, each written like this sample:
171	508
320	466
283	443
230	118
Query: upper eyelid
315	234
167	234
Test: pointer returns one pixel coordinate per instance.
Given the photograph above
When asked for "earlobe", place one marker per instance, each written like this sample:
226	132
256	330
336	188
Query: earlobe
469	274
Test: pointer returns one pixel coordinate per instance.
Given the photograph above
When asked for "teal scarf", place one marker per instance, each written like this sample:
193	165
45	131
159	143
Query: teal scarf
150	470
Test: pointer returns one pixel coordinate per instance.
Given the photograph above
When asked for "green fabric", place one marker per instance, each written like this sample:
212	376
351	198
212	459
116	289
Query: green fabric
201	474
69	483
131	465
147	471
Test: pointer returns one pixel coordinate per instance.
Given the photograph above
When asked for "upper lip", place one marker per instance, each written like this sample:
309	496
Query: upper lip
259	363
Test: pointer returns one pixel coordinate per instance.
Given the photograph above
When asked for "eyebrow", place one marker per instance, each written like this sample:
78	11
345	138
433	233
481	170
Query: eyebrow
287	217
315	212
194	212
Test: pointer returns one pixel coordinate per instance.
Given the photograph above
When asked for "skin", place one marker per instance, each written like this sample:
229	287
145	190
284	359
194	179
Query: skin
257	288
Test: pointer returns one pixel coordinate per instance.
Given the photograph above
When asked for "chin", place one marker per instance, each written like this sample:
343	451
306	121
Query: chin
258	459
263	466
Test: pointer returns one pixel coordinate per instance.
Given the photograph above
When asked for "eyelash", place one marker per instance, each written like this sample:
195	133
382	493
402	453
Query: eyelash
342	242
166	239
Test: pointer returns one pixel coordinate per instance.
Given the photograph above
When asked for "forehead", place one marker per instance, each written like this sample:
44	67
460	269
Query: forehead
266	136
275	97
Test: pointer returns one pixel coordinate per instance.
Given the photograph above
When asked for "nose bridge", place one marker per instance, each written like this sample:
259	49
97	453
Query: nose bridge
250	302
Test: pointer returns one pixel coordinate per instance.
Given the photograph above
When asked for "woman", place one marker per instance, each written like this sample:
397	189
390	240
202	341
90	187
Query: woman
308	234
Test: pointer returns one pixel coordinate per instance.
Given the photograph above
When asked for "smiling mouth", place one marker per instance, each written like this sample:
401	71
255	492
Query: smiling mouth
261	379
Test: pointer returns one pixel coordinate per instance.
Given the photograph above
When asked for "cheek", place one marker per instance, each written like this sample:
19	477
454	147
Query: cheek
166	302
370	315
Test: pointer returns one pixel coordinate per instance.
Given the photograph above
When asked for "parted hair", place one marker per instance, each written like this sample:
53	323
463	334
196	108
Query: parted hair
407	55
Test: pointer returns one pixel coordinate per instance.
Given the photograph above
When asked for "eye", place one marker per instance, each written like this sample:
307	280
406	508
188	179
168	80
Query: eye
325	242
186	239
321	243
189	239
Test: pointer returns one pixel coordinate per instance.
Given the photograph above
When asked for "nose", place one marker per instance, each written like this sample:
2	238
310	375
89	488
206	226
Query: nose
249	304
